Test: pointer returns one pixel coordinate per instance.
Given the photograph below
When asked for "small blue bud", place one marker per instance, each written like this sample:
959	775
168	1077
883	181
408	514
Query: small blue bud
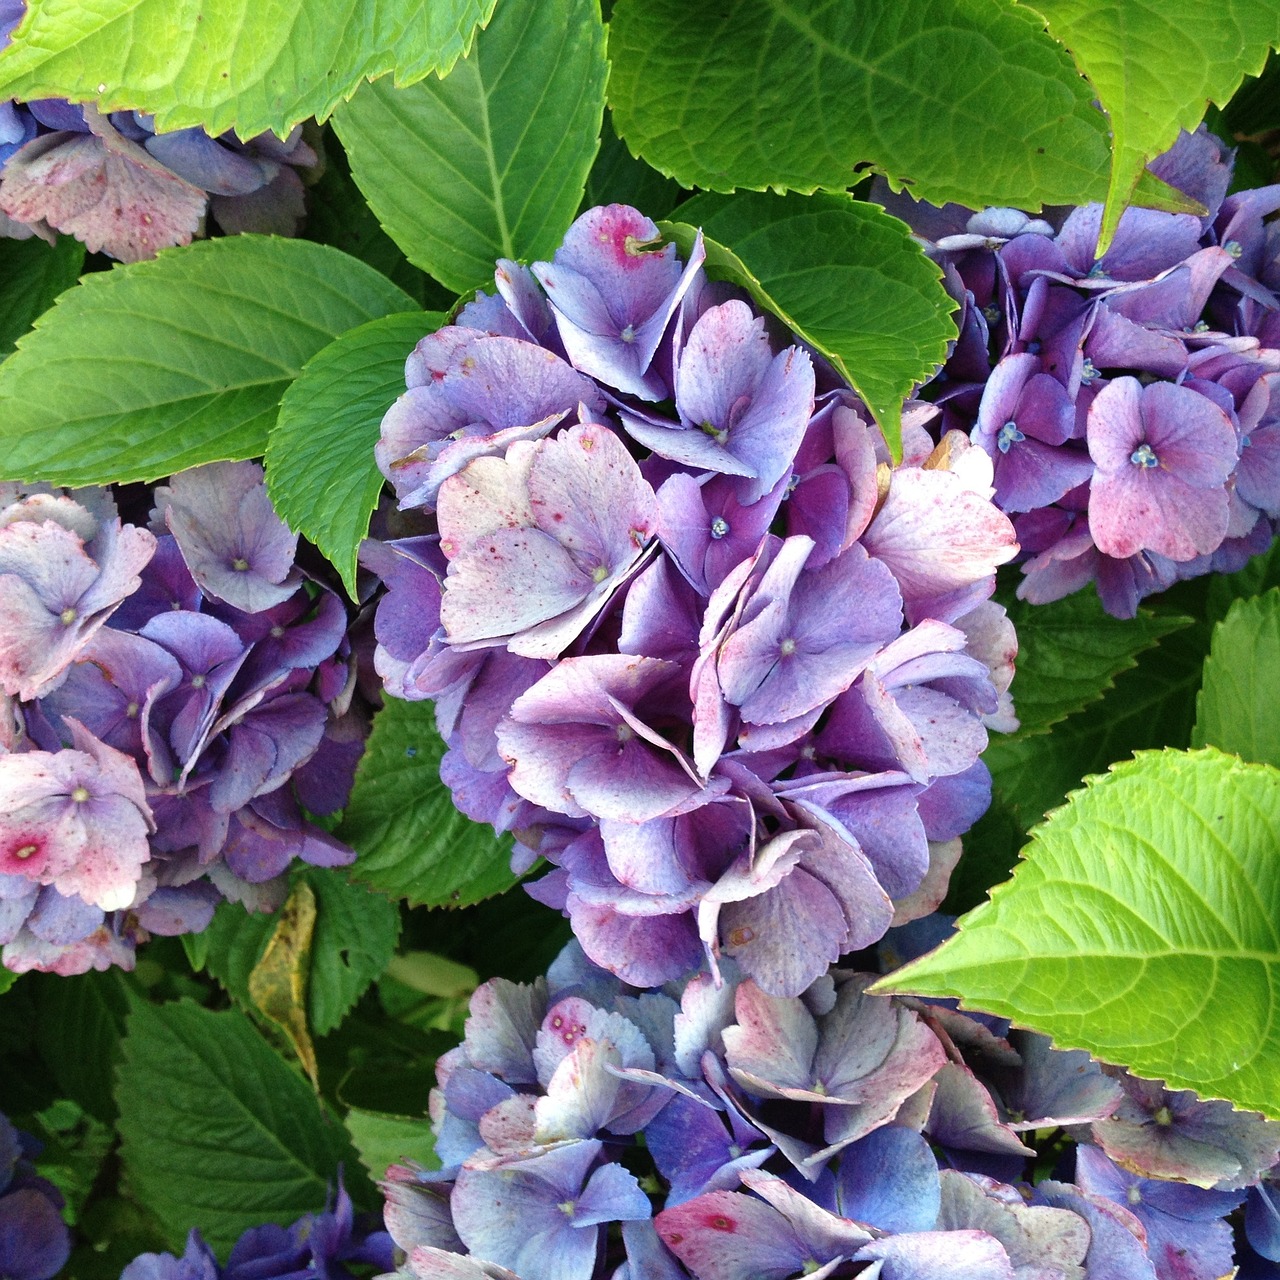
1008	437
719	528
1144	456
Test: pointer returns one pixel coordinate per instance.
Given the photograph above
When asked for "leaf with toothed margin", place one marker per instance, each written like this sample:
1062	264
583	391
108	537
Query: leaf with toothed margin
1143	925
1155	64
247	67
321	474
846	276
151	368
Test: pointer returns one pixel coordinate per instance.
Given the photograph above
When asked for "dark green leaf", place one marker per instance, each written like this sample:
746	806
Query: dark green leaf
32	274
844	275
245	67
1238	709
413	843
491	161
967	100
218	1129
354	939
320	469
1142	926
80	1021
146	369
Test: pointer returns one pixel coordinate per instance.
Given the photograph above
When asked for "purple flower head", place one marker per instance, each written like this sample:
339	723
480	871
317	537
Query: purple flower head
539	540
743	410
1163	455
62	574
613	294
76	819
1024	422
472	395
234	544
34	1240
196	1263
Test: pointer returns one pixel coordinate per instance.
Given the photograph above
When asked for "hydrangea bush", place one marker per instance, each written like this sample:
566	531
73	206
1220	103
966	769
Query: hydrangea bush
639	643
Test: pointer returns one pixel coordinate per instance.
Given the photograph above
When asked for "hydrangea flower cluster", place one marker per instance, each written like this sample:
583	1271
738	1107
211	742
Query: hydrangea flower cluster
737	1135
34	1240
114	183
1132	415
319	1246
171	699
688	634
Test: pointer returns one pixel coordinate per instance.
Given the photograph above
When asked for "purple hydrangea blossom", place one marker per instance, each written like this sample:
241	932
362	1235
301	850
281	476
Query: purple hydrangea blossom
34	1240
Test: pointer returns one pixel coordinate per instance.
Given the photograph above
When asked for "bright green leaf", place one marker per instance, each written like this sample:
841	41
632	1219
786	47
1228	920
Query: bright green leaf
320	469
7	979
1144	926
146	369
218	1129
230	66
617	177
383	1139
1236	710
354	939
844	275
32	274
1155	64
1070	651
490	162
966	100
413	843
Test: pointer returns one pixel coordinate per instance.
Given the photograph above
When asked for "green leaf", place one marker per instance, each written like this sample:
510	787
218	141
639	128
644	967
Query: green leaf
413	843
321	474
1070	651
617	177
490	162
844	275
354	940
146	369
1142	926
75	1144
965	100
32	274
230	66
1154	65
79	1023
218	1130
383	1139
1237	709
7	979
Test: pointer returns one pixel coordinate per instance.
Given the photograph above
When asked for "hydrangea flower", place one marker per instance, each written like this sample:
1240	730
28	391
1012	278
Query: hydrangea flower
34	1240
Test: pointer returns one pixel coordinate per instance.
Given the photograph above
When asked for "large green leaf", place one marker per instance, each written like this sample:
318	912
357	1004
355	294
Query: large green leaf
219	1131
320	469
354	939
1237	709
1142	926
32	274
967	100
146	369
617	177
1070	651
490	162
1155	64
844	275
248	67
79	1023
413	843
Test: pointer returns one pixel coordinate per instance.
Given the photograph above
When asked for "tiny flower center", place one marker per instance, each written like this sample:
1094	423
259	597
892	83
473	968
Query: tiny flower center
1008	437
628	334
1088	371
277	631
1133	1195
624	732
719	528
567	1207
26	851
67	616
1163	1117
240	564
197	682
1234	248
599	573
131	710
787	647
991	313
80	795
1144	456
715	433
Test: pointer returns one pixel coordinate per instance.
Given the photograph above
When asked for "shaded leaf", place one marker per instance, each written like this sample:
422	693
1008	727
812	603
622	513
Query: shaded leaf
1142	926
617	177
1236	710
411	840
321	475
79	1023
218	1129
491	161
844	275
245	67
147	369
32	274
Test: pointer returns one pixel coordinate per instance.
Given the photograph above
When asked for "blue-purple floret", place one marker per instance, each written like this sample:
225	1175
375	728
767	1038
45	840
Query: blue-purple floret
34	1240
688	634
1127	402
175	701
736	1135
